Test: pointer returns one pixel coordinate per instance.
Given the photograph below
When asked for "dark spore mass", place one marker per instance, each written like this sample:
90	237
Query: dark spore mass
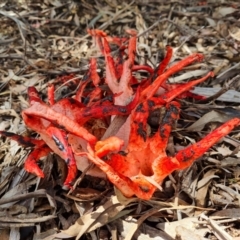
58	143
141	131
140	108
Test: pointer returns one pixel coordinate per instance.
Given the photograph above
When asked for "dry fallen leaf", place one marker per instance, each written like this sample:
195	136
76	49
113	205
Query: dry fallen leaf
223	11
91	221
187	75
232	96
144	232
228	213
202	187
189	223
212	116
182	233
235	33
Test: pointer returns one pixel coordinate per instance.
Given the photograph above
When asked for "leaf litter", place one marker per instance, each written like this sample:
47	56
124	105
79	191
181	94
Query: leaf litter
41	41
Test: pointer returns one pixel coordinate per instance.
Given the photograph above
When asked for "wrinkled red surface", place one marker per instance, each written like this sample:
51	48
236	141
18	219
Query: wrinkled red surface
137	164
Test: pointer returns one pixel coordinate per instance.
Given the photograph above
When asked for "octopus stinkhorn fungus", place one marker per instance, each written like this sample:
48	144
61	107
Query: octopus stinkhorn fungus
137	164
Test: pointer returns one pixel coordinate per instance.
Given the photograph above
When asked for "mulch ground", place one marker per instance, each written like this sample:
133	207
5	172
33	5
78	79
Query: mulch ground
41	41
